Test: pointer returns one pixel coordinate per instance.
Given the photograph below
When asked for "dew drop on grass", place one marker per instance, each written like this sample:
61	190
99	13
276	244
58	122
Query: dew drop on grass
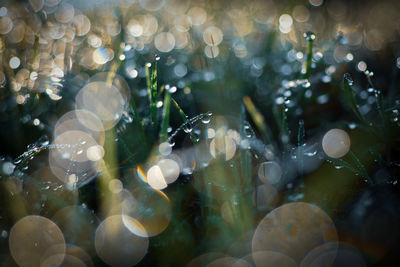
206	118
187	171
348	78
172	89
126	117
352	125
309	36
187	129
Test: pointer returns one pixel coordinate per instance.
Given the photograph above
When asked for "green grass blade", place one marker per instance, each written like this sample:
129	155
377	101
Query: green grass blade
151	75
187	123
342	163
351	99
258	119
300	147
309	58
165	116
361	167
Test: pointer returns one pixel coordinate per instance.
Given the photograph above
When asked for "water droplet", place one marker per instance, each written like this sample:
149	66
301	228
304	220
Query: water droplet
126	117
311	154
188	128
172	89
17	160
352	125
306	84
187	171
43	141
348	78
206	118
309	36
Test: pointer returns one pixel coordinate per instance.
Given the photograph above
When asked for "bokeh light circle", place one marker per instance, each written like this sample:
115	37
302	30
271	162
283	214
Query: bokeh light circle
33	239
102	99
116	245
294	229
336	143
270	172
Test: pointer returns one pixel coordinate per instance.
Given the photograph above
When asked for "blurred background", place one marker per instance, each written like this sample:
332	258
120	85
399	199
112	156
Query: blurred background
194	133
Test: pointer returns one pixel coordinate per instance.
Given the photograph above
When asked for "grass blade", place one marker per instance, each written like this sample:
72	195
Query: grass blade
360	167
151	81
351	99
187	123
309	38
258	119
165	116
300	147
342	163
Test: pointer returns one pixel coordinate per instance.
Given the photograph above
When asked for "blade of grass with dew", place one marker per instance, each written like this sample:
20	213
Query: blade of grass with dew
351	99
360	167
342	163
245	158
300	147
258	119
152	91
191	121
165	116
379	100
285	125
309	40
187	123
